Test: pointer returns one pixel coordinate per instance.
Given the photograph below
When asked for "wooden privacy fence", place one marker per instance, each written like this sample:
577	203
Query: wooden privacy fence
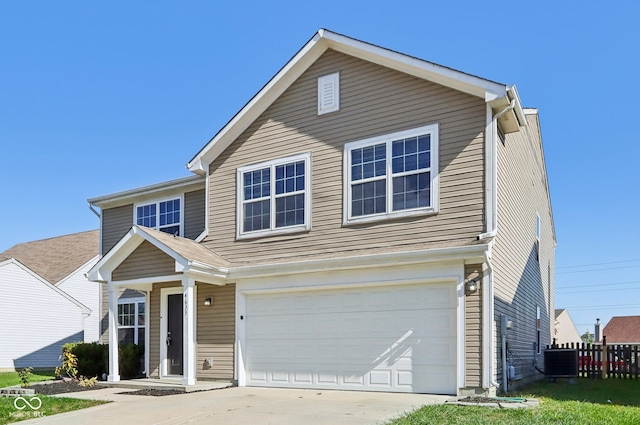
605	361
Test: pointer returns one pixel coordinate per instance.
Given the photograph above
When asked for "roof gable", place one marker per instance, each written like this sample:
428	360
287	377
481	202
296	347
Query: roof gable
623	330
56	258
502	98
40	280
189	256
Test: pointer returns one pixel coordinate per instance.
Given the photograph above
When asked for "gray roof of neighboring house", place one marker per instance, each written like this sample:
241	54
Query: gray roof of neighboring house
559	311
54	259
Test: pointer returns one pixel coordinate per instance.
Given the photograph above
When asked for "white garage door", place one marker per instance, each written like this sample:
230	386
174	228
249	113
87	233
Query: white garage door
399	338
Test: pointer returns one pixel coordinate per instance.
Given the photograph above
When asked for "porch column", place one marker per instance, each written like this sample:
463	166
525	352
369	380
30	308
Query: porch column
114	368
188	331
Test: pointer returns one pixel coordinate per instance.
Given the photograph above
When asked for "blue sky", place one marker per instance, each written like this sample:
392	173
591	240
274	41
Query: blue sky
99	97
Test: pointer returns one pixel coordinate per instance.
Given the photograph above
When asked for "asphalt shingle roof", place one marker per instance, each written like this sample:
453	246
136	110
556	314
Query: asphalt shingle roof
623	330
55	258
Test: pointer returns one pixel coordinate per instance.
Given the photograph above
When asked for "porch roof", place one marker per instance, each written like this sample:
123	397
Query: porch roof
189	256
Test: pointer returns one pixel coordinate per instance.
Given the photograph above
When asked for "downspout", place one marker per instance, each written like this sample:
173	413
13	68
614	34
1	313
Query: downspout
490	321
492	169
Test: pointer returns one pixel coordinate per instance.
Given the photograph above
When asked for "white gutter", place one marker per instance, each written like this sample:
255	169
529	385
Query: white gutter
99	215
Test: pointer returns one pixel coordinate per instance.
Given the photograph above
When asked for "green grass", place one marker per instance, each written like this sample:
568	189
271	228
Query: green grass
50	406
599	402
8	379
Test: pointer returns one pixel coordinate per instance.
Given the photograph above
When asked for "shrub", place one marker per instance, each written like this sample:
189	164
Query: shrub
91	358
80	360
130	359
25	375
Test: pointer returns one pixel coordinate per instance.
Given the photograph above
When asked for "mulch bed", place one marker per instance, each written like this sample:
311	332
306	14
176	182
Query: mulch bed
69	386
60	387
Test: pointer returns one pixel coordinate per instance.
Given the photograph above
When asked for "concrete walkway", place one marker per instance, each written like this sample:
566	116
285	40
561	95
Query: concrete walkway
242	406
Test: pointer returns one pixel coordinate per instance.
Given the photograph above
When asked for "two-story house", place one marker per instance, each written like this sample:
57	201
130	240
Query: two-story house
367	221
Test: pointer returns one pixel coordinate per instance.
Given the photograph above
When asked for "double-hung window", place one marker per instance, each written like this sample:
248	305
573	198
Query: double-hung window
274	197
164	215
131	323
392	175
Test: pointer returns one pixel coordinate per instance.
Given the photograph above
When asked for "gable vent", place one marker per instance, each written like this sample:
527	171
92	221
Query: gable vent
328	93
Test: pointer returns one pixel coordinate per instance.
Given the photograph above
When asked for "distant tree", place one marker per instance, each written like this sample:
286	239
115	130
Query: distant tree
588	337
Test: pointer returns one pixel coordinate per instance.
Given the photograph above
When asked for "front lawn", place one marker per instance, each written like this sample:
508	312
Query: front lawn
9	413
8	379
610	401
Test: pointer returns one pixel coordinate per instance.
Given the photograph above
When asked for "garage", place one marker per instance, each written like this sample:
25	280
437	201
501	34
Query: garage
396	338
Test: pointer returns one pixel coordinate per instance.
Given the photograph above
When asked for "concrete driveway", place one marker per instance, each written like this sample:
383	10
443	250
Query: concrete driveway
243	406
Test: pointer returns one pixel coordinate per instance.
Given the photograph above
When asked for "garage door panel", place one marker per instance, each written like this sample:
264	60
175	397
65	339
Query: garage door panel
391	338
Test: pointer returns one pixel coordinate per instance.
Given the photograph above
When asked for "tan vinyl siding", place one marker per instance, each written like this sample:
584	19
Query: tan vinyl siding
194	211
116	222
145	261
473	329
522	282
374	101
216	332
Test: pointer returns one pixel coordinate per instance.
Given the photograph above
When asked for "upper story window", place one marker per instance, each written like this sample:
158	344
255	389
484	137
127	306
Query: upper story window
164	215
392	175
328	93
274	197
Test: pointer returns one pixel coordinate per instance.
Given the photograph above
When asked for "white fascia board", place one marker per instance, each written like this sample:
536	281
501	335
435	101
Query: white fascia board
449	77
258	104
311	51
84	308
64	279
475	252
185	184
101	271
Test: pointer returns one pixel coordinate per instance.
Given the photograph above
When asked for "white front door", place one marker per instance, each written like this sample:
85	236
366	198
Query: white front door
398	338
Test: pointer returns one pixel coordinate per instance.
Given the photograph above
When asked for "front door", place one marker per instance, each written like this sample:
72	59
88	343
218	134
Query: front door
174	334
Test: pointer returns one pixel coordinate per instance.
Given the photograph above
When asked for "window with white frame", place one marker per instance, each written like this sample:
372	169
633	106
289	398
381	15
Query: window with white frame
392	175
274	197
164	215
131	321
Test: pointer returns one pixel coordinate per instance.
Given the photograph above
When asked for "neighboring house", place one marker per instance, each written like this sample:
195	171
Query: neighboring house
46	299
565	330
365	222
622	330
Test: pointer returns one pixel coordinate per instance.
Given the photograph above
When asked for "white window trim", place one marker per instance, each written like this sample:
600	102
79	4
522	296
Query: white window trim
157	202
135	301
335	106
433	130
538	227
306	157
